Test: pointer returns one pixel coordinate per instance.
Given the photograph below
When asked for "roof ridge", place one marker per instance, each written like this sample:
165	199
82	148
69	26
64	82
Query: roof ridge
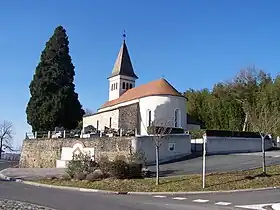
155	87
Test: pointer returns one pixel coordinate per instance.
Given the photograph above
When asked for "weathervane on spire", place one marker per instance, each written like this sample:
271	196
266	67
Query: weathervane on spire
124	35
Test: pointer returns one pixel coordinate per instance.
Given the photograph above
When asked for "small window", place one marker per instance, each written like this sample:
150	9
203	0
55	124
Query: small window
149	117
116	86
177	118
130	85
112	87
97	125
126	85
123	85
110	122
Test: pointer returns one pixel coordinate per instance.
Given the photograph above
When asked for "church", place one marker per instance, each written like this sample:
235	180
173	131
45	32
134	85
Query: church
132	108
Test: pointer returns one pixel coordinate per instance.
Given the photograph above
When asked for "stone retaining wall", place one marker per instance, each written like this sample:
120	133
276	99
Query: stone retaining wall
43	153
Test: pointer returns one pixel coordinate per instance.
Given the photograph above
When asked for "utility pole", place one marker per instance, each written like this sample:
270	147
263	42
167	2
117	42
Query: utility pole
204	160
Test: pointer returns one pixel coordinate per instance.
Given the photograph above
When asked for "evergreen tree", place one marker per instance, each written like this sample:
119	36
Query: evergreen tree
53	100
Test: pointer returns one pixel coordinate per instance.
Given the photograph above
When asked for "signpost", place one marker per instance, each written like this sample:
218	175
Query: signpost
204	160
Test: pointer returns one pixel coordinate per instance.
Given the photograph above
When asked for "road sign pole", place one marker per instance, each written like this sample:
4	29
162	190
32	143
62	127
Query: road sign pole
204	162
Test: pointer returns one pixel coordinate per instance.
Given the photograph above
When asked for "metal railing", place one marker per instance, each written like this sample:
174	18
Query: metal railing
74	134
53	134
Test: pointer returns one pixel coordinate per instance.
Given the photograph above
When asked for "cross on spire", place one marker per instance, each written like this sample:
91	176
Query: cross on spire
124	35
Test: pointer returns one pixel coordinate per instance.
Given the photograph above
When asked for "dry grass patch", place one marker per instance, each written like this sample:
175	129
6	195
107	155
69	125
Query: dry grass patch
216	181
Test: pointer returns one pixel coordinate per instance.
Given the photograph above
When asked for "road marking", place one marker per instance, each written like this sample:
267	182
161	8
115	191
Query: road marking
276	206
159	196
179	198
260	206
223	203
200	201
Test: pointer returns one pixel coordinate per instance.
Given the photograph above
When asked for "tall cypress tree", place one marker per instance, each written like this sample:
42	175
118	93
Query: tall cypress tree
53	100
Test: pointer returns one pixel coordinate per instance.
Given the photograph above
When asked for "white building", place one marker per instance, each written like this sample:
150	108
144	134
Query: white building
132	107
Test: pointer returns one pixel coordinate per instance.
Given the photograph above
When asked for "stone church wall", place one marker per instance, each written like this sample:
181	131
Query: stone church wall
103	118
43	153
129	117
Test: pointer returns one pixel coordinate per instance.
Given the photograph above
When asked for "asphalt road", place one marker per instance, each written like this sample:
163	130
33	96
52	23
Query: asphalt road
218	163
73	200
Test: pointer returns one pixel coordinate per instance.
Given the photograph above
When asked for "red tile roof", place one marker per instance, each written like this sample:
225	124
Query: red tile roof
157	87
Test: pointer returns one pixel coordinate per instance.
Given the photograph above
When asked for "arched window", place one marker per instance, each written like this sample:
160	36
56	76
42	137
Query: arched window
123	85
149	117
177	120
127	86
130	85
112	86
116	86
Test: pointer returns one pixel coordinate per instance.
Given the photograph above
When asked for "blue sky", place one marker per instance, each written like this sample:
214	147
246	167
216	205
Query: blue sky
192	43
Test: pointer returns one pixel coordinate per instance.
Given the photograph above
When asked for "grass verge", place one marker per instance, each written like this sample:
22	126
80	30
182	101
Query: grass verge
217	181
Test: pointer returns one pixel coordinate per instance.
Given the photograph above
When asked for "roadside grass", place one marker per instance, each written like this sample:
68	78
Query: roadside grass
216	181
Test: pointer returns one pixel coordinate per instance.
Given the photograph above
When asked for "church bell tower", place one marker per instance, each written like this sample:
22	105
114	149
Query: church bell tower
123	76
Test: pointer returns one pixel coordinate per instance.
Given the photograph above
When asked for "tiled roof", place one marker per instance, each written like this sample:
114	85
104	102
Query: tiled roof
123	65
157	87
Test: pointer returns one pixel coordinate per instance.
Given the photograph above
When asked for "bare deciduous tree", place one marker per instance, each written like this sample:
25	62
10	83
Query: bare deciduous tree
5	137
88	111
158	131
264	120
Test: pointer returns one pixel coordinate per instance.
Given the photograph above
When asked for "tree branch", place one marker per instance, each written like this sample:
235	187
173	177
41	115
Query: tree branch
6	133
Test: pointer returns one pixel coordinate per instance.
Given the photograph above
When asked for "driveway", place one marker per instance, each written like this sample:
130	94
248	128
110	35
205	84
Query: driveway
218	163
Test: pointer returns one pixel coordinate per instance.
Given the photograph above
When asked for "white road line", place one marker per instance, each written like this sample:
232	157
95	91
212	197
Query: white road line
276	206
179	198
223	203
259	206
159	196
200	201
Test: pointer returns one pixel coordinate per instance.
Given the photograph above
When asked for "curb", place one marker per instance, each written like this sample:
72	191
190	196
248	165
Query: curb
202	192
73	188
2	176
143	193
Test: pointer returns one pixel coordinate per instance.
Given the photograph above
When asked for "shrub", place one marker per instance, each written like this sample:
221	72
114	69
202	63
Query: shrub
81	164
197	134
135	170
120	157
138	157
120	169
105	165
74	166
65	177
79	176
96	175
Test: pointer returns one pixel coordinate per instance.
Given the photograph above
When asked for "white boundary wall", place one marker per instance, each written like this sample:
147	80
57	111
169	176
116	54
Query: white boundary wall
219	145
172	147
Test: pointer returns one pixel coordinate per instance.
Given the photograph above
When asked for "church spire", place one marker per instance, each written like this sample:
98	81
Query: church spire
123	65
